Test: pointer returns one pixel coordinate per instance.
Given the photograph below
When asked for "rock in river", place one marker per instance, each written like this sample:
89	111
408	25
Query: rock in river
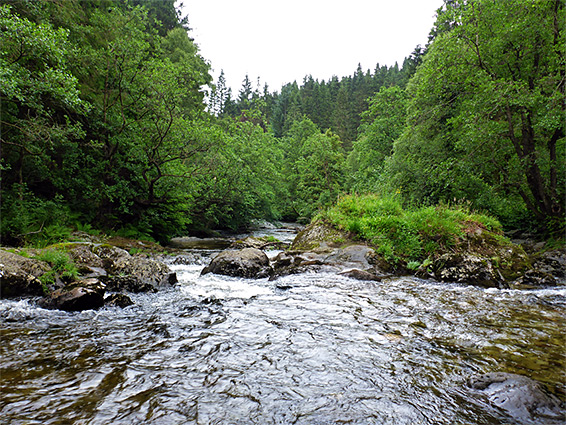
248	262
87	294
19	275
522	398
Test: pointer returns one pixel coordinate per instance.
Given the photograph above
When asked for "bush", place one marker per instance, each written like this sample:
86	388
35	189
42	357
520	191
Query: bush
406	237
61	266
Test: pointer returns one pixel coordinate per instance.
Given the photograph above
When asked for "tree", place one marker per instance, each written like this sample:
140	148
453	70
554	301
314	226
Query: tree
382	124
40	101
320	173
220	96
488	100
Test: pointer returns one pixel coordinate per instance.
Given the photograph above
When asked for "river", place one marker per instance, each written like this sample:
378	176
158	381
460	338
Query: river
305	349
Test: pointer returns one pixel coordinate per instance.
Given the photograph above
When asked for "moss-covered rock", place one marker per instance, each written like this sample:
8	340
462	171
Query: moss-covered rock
478	256
20	276
320	237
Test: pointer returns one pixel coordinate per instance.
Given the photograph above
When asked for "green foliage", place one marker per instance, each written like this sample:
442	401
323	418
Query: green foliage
402	236
61	266
486	116
382	124
111	93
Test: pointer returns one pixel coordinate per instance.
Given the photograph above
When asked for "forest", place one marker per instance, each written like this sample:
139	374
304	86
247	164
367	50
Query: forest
111	121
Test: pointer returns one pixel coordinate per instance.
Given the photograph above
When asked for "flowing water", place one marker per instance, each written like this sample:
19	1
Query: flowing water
306	349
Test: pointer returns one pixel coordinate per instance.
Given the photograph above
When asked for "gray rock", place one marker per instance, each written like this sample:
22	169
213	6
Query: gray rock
466	268
287	263
118	300
127	283
119	262
359	256
551	262
361	275
522	398
19	276
76	299
248	262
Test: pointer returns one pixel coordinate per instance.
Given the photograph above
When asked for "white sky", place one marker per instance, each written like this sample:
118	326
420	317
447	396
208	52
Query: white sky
283	41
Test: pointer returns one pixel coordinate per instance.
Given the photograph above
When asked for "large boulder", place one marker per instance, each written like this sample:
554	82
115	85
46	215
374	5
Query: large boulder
19	275
552	263
466	268
523	399
87	294
358	256
248	262
118	262
319	237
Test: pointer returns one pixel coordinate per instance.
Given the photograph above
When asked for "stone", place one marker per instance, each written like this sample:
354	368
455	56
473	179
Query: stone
75	299
361	275
360	256
248	263
288	263
319	237
118	300
522	398
19	276
466	268
119	262
127	283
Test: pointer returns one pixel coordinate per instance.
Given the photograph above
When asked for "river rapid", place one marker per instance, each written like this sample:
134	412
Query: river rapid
314	348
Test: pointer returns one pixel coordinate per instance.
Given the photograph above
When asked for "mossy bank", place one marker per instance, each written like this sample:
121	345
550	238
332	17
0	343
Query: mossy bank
444	243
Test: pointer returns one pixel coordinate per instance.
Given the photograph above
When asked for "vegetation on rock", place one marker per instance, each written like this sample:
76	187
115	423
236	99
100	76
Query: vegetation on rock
414	238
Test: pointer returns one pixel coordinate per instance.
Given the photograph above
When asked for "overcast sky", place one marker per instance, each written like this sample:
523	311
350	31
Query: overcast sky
283	41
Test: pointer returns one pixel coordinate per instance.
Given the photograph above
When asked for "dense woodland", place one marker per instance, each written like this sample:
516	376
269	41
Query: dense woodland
110	121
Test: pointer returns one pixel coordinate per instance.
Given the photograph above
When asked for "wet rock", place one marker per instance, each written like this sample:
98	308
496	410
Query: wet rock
466	268
552	263
83	257
19	275
361	275
258	243
186	260
248	262
118	300
522	398
287	263
249	242
119	262
75	299
534	279
360	256
92	284
127	283
319	237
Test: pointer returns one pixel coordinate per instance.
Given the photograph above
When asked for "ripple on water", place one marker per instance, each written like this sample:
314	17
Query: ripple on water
328	349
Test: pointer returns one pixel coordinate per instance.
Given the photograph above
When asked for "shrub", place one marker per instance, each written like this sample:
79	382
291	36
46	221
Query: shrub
408	237
61	265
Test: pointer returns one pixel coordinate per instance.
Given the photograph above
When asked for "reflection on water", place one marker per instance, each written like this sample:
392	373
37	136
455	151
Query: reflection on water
329	350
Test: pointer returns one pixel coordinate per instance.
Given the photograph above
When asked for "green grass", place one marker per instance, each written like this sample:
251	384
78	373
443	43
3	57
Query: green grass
405	236
61	265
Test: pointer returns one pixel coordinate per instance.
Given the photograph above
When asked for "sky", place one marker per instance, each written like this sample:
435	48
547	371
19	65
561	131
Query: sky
284	41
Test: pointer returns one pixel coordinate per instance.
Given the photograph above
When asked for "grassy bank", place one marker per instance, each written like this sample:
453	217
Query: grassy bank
410	236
